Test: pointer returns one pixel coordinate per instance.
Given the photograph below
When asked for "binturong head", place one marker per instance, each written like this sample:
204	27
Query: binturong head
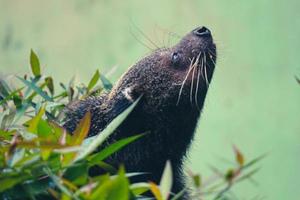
175	77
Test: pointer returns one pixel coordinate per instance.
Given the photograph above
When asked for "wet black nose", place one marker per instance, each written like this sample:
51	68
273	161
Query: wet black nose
202	31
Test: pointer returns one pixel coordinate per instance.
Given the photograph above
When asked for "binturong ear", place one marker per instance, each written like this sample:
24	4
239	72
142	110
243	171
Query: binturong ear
128	94
125	99
131	93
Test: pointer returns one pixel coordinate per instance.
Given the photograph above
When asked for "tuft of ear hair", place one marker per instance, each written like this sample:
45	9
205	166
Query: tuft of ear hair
128	93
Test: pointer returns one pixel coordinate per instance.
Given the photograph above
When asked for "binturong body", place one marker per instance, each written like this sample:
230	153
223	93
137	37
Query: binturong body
172	83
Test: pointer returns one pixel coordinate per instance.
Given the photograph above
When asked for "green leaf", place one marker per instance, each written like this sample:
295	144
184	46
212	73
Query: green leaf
17	101
57	181
4	88
11	95
61	95
50	85
7	119
6	135
34	122
35	64
106	83
79	134
229	175
179	194
35	188
197	180
139	188
107	167
36	89
44	130
166	181
8	182
43	145
112	149
27	190
101	137
82	129
112	189
252	162
16	157
248	175
21	111
78	174
27	160
94	80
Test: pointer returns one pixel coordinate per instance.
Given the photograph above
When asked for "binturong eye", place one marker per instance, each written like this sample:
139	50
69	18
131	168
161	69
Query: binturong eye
175	58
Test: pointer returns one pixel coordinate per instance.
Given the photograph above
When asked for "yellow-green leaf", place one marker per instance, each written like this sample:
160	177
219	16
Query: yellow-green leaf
94	80
8	182
35	64
155	191
112	148
239	156
82	129
78	136
50	85
33	123
166	181
197	180
139	188
101	137
113	188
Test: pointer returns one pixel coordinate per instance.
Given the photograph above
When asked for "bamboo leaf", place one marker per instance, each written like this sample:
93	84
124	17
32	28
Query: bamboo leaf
139	188
197	180
255	160
9	182
179	194
238	156
113	189
82	129
50	85
16	157
155	191
35	64
59	184
248	175
38	90
94	80
78	136
11	95
43	145
101	137
106	83
4	88
166	181
33	123
112	148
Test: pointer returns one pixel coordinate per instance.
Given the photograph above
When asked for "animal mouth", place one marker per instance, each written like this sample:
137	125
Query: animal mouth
201	65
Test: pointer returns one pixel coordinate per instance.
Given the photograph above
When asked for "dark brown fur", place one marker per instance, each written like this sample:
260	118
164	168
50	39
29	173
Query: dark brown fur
171	120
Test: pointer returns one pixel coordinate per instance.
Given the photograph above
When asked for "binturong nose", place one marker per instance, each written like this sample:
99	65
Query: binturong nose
202	31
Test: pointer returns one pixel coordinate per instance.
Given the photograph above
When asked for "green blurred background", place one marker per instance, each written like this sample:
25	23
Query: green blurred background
253	101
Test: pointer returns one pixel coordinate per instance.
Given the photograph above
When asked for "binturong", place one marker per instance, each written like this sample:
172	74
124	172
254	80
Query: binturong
172	83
